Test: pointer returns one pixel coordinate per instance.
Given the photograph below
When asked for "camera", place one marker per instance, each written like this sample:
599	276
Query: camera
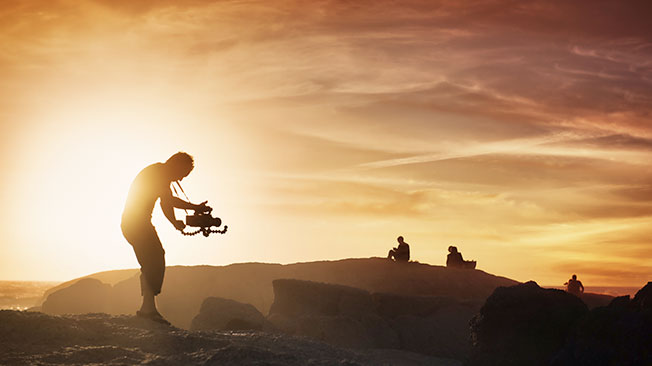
203	220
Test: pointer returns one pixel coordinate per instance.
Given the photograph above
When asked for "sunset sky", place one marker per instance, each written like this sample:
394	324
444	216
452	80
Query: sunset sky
521	132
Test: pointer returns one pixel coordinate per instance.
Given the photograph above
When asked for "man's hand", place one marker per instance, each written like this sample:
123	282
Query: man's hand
179	225
203	207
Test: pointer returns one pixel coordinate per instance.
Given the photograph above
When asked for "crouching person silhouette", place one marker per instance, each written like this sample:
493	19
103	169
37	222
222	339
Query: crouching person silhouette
150	184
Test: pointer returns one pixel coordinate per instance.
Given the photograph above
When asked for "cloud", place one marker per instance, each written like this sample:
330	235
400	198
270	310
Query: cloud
511	115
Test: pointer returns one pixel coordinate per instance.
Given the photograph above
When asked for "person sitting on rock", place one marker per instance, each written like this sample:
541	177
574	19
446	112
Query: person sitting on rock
573	286
454	258
400	253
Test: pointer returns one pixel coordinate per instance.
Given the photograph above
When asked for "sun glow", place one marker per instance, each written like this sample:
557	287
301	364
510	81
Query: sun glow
77	169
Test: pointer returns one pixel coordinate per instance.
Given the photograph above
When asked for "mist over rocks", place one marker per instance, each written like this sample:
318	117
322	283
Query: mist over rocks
185	288
30	338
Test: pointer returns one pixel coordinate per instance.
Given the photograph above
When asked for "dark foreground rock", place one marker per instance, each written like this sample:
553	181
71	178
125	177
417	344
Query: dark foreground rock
523	325
28	338
350	317
618	334
224	314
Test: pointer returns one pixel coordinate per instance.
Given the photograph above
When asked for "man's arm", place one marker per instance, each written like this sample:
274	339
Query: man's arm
169	202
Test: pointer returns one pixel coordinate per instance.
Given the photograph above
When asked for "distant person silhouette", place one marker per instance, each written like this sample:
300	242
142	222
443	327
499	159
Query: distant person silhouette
455	260
150	184
400	253
574	286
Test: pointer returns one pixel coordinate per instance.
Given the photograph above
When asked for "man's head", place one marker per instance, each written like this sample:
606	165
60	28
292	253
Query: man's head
452	249
574	277
179	165
400	239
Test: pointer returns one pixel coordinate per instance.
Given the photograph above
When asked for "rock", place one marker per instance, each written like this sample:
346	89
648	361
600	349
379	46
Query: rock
300	298
339	331
186	287
350	317
28	338
87	295
224	314
618	334
380	331
595	300
643	298
393	305
523	325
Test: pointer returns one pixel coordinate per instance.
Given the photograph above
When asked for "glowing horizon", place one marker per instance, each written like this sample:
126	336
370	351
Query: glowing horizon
520	133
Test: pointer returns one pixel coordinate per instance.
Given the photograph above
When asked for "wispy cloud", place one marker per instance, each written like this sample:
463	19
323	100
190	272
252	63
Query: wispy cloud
514	116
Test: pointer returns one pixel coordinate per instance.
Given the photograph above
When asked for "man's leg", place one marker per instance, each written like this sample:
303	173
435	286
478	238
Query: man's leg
149	305
151	256
391	253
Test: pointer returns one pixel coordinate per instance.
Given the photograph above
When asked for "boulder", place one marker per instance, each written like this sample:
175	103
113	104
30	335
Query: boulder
337	330
87	295
224	314
643	298
351	317
300	298
618	334
523	325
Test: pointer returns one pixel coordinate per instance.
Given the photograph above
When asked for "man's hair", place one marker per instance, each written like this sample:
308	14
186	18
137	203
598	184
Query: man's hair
181	158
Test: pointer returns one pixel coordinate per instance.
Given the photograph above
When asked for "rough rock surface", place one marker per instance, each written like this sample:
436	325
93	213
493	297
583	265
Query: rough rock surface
224	314
618	334
351	317
28	338
523	325
185	288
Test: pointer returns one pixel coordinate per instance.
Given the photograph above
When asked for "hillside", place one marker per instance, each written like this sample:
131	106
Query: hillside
186	287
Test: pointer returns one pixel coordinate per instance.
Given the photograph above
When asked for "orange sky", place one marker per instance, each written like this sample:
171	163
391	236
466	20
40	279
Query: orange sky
519	132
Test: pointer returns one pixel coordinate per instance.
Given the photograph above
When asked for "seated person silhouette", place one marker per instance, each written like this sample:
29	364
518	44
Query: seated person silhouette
574	286
400	253
455	260
150	184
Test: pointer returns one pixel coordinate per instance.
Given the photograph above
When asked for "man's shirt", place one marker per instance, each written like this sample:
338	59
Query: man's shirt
147	187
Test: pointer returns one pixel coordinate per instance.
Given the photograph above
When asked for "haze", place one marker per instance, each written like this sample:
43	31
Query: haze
519	132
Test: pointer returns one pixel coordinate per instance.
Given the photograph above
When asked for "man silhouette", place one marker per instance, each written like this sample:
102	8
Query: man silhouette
150	184
400	253
574	286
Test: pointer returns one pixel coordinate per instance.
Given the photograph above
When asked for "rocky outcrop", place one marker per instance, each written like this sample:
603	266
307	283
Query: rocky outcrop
85	296
299	298
528	325
618	334
224	314
523	325
185	288
350	317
